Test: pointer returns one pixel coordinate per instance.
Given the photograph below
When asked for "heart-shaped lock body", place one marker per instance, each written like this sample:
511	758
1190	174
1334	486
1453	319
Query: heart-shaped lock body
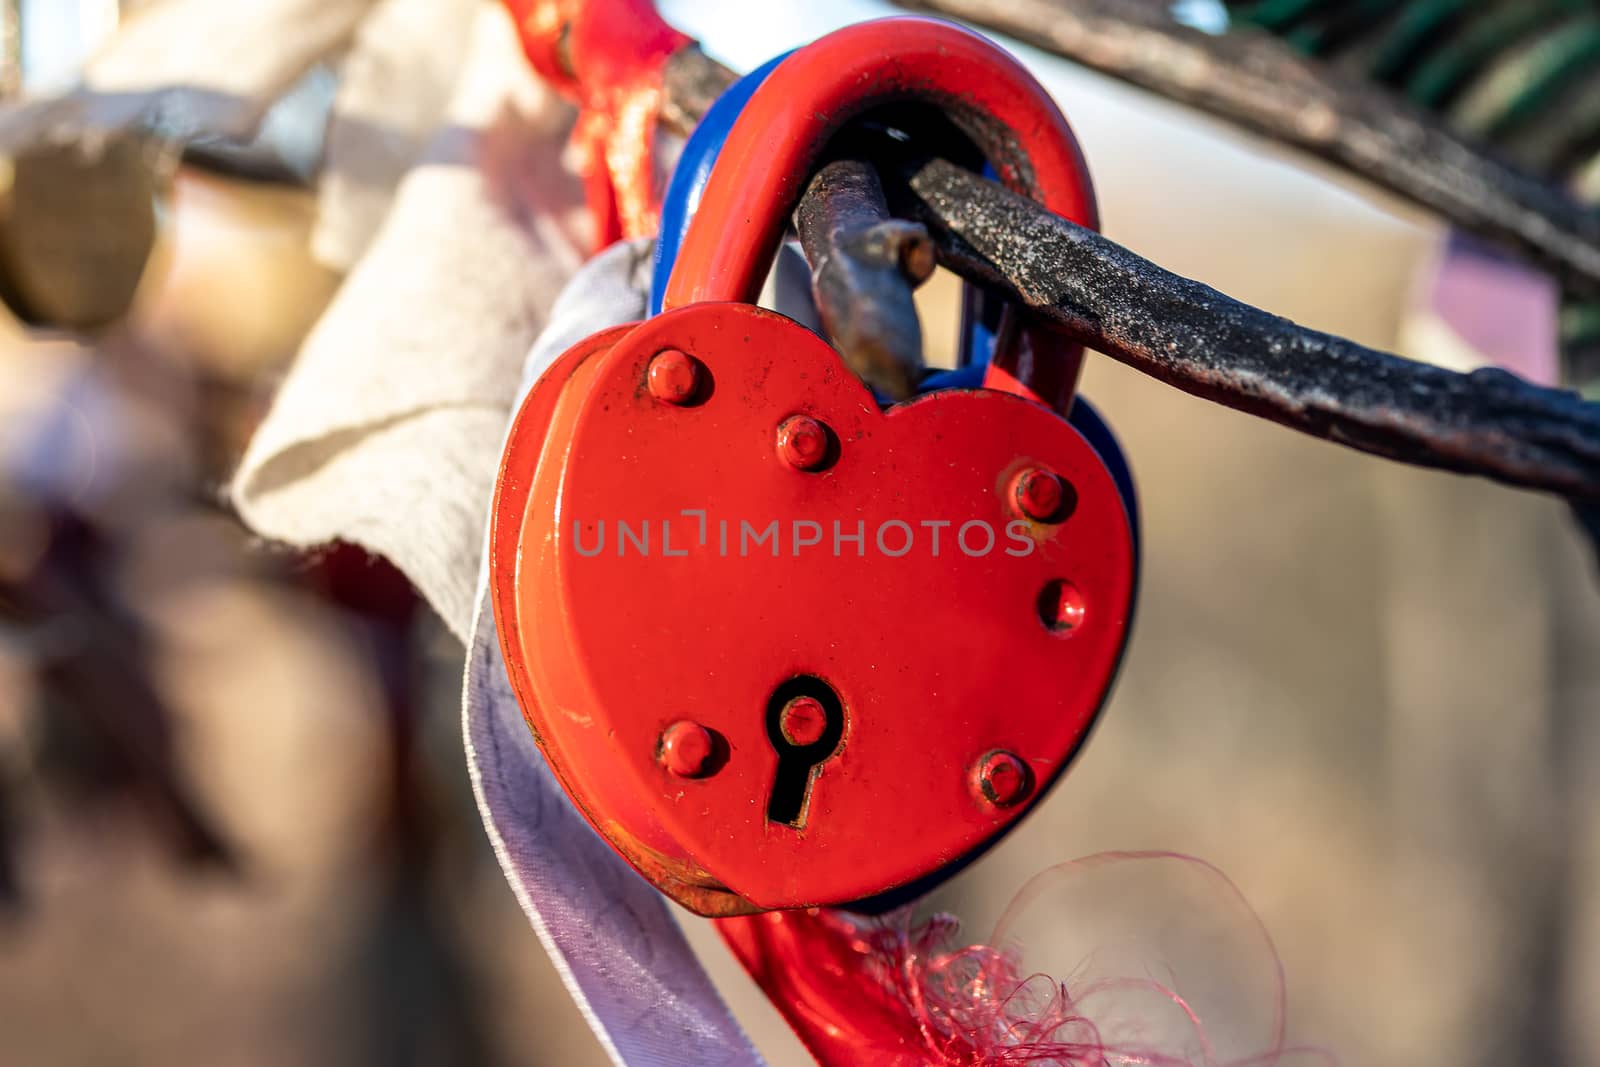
784	648
699	576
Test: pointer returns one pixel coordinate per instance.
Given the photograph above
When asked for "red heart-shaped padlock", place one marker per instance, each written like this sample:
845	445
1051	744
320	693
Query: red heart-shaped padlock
702	572
781	647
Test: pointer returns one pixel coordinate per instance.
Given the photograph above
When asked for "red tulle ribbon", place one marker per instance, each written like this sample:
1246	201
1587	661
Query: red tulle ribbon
608	57
1122	959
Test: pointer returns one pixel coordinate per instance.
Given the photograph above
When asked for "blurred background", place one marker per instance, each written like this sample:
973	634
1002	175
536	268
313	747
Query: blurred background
235	824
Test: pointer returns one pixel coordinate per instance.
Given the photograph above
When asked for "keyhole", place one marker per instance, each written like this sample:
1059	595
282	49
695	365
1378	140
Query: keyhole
805	722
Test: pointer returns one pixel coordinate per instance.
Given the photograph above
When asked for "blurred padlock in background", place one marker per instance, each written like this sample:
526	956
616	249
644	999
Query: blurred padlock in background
78	226
78	218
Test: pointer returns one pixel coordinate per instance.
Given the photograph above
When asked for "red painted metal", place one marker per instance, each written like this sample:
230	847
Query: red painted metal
936	658
779	137
803	442
1001	779
1038	493
674	377
663	581
1061	606
687	749
803	721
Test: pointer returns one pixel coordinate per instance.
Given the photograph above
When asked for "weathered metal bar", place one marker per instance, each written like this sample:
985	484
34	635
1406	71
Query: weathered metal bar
1255	81
691	83
1203	342
864	266
1188	335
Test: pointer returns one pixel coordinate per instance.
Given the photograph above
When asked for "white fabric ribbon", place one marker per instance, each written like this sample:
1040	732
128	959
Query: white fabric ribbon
610	933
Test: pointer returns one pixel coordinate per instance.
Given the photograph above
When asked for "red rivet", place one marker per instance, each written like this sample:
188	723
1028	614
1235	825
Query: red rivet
674	376
1001	779
686	749
803	442
803	721
1038	494
1061	606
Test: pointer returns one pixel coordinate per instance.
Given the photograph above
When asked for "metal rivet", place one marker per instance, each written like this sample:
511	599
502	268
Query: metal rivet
674	376
1038	494
1000	779
686	749
803	721
1061	606
803	442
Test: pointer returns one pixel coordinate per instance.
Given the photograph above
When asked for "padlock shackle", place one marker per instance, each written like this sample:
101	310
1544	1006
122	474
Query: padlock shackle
780	136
